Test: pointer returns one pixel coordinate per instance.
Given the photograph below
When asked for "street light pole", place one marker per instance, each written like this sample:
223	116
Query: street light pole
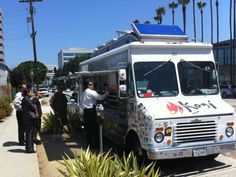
33	34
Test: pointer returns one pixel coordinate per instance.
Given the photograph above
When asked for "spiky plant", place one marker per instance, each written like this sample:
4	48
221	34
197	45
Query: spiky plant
100	165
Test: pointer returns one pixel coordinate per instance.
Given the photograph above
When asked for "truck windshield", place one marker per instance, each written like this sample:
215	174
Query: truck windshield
155	79
197	78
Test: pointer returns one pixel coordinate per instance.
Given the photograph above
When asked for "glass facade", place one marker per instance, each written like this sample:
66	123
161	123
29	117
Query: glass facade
66	55
226	63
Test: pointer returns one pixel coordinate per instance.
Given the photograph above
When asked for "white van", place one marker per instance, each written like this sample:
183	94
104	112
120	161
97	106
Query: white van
164	100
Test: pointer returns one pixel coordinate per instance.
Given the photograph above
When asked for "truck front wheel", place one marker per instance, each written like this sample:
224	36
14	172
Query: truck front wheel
132	144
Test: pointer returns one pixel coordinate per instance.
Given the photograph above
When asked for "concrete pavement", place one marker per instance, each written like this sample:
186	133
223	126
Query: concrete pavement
13	159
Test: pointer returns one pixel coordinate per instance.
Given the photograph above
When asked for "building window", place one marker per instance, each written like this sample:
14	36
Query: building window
67	59
68	54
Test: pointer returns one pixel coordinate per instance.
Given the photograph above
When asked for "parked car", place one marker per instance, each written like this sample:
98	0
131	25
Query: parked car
225	91
44	92
233	90
67	90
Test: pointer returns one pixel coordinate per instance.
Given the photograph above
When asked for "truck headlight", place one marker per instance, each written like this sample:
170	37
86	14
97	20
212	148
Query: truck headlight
229	131
159	137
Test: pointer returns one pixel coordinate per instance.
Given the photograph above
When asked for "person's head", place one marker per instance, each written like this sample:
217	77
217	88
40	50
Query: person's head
22	87
89	84
37	94
60	88
26	92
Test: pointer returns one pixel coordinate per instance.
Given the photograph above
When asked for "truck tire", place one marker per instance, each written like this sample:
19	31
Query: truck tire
224	95
212	156
132	144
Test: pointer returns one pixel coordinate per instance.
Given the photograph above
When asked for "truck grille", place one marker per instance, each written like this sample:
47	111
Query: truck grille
195	132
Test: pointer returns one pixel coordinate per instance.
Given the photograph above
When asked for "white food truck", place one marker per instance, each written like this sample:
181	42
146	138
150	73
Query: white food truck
164	100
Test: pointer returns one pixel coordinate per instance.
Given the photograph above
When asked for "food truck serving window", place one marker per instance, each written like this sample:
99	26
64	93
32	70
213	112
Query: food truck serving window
155	79
198	78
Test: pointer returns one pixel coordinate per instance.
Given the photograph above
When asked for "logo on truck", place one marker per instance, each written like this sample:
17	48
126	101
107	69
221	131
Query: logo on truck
173	108
192	108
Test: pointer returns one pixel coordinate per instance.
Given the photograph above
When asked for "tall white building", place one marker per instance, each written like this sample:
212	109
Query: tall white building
50	74
67	54
1	38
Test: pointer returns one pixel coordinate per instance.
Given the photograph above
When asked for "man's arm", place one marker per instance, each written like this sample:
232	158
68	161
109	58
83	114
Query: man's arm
18	98
98	96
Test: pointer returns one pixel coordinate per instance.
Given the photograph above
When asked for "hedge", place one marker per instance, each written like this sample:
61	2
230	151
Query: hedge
5	107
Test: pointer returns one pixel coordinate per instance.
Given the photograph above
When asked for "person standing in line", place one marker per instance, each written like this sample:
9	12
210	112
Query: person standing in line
88	102
17	104
29	113
38	121
58	102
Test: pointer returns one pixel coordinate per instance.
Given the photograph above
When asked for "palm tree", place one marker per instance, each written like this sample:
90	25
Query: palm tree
234	19
173	6
147	22
201	5
184	4
217	28
231	42
136	21
159	14
211	21
194	21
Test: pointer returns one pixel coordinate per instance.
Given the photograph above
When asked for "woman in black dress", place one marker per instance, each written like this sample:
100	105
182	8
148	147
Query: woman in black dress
29	114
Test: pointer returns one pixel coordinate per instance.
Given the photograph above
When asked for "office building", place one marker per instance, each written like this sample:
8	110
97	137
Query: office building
226	64
1	38
50	73
65	55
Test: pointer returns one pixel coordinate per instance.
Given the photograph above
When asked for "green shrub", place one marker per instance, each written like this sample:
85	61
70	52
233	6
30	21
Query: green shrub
105	165
5	107
74	123
44	102
48	122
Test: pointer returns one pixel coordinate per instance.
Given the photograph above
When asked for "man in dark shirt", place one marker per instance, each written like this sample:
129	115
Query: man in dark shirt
59	105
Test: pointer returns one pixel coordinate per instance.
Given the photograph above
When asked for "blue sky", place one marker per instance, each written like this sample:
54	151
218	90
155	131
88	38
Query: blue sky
62	24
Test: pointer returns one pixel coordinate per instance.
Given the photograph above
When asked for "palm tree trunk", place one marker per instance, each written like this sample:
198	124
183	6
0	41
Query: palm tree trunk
194	21
173	17
231	42
202	24
234	6
217	29
184	17
211	22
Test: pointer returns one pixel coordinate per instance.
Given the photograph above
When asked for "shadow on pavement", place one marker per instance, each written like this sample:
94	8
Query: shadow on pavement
10	143
187	167
56	150
17	150
70	146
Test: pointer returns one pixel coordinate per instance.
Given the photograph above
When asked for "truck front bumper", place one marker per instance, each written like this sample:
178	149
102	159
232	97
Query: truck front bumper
196	151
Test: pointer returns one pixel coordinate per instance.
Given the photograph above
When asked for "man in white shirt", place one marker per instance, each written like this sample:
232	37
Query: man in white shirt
17	105
88	102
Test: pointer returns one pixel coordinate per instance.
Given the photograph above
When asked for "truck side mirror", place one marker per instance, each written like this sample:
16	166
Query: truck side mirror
122	75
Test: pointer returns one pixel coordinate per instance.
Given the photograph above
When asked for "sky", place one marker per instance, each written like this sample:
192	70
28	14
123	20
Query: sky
62	24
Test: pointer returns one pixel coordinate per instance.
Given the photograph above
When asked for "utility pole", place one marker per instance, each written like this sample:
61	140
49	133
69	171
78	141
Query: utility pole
33	34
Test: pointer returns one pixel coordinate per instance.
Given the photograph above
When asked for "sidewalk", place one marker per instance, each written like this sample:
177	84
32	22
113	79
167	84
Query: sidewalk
14	161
